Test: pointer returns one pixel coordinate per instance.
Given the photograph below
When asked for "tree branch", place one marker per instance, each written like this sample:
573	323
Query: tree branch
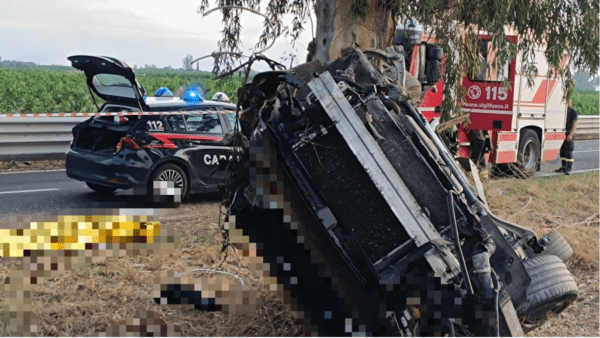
231	53
234	7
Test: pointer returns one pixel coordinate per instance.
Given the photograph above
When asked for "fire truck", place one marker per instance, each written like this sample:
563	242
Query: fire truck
525	124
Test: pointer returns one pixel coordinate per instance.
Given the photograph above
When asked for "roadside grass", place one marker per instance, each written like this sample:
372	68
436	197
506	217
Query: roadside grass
87	300
567	203
4	331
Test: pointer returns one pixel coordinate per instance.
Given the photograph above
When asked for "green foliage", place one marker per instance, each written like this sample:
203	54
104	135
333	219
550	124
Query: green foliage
43	91
229	46
32	65
586	102
229	86
51	91
559	27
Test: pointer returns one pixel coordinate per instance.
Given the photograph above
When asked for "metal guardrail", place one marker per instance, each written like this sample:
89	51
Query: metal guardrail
588	125
44	138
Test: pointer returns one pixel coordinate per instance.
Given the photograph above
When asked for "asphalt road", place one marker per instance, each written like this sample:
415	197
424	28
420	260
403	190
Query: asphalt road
51	192
586	156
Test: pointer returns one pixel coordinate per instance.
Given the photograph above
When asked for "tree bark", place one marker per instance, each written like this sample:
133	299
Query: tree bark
337	31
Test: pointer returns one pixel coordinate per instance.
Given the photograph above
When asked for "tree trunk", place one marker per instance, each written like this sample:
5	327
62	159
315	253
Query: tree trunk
337	31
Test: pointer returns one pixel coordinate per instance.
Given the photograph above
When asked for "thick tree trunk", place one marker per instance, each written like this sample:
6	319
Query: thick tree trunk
336	30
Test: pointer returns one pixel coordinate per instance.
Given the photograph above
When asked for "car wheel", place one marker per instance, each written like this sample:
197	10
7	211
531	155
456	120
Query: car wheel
557	246
552	290
170	173
101	189
528	157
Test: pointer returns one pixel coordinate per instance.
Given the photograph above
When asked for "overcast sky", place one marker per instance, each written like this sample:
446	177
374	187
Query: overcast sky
138	31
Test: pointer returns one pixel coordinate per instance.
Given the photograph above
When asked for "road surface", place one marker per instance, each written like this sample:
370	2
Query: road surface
50	192
586	156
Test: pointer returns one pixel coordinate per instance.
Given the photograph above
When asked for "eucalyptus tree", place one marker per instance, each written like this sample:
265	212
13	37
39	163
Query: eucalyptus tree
560	27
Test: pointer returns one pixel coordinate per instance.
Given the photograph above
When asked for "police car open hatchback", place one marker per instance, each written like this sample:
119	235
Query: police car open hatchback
171	139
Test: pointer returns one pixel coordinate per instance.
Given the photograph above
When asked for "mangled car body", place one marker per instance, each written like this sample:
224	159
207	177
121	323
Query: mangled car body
364	217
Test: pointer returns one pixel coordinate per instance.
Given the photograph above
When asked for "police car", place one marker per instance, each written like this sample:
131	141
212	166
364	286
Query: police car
138	141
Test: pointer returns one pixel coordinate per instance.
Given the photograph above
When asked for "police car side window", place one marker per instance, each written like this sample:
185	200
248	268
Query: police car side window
176	122
204	123
231	117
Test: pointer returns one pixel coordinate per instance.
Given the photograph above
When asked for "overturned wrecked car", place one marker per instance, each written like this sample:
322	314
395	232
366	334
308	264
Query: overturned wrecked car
363	216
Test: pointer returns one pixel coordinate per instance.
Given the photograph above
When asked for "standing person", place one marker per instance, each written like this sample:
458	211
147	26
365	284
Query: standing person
566	151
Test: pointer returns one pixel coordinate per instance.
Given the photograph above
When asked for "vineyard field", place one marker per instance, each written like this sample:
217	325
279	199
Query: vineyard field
51	91
586	102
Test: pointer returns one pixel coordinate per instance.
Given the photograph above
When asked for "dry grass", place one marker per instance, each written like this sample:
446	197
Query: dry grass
9	166
85	301
569	204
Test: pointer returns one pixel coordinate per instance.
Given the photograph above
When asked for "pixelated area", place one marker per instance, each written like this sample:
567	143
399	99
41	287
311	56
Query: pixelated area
165	192
77	232
51	245
205	294
90	299
145	324
318	288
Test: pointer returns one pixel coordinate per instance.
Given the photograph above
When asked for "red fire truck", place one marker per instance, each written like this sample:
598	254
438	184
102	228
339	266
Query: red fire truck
525	124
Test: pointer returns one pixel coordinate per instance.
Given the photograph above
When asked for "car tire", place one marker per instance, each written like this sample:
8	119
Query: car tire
101	189
557	246
529	155
552	290
170	172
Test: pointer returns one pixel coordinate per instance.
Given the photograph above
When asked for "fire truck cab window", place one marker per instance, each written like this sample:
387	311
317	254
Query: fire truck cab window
486	56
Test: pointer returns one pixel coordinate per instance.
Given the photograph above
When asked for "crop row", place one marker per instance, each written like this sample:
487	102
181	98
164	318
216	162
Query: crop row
586	103
49	91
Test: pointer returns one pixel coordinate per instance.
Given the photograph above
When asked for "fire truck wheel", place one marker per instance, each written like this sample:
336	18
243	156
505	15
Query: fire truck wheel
529	154
552	290
557	246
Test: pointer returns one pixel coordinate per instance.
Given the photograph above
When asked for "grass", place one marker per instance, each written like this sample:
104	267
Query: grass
87	300
567	203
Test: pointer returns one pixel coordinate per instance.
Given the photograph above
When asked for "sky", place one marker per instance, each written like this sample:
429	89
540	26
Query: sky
138	31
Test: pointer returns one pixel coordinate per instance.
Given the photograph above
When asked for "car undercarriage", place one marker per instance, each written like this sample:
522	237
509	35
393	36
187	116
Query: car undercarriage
365	218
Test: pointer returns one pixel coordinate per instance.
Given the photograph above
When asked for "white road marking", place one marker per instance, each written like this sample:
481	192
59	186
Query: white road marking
572	172
587	151
584	171
31	171
23	191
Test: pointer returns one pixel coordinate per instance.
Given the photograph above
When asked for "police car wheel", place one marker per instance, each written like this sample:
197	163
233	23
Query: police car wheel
170	173
101	189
